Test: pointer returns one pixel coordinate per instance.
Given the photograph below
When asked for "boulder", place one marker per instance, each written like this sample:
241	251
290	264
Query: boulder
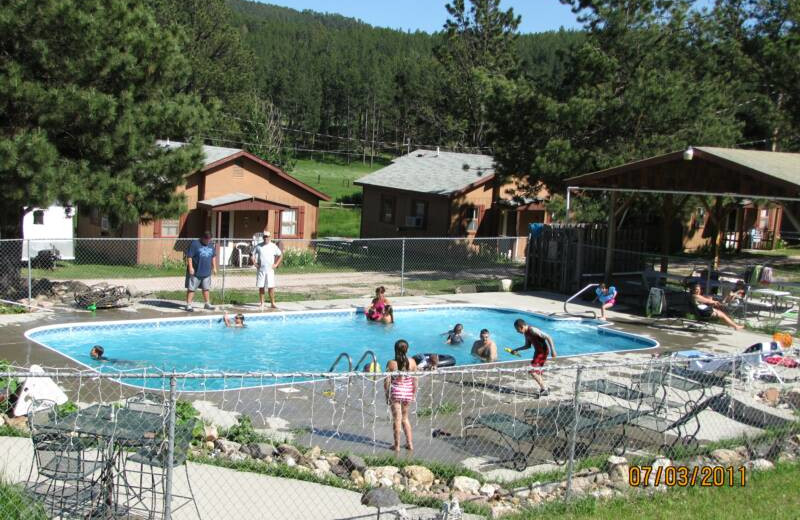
210	433
226	446
291	451
760	465
262	450
487	490
618	469
380	497
727	457
235	456
339	470
771	396
581	485
333	460
370	477
354	462
314	453
289	461
466	485
386	471
422	475
322	465
385	482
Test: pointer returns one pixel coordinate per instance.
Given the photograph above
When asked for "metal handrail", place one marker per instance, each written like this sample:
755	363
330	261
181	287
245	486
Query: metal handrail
363	357
349	362
594	314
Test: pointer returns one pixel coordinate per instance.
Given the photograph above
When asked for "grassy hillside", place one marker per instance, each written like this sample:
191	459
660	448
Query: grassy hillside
335	178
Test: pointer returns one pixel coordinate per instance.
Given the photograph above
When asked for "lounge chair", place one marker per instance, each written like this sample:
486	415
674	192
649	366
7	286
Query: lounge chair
556	422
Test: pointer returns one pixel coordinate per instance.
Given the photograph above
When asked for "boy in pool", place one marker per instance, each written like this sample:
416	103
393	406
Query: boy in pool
542	345
237	323
454	336
98	354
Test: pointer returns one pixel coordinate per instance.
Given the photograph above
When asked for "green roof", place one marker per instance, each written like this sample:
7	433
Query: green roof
781	165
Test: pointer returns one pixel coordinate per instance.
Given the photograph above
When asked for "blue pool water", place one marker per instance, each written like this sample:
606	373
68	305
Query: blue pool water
310	341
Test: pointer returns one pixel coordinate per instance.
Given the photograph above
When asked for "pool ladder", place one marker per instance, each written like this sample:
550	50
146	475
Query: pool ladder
350	368
594	314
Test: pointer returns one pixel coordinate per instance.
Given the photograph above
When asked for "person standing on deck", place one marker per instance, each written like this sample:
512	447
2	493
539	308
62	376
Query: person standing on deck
265	254
542	345
201	263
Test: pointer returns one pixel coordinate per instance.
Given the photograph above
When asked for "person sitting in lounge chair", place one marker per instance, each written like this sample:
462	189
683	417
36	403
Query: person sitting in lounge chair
706	307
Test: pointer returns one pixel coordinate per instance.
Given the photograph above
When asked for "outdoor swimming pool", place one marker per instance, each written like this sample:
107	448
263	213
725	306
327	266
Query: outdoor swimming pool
309	341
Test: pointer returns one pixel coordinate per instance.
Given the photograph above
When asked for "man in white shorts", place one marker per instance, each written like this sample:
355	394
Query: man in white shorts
265	258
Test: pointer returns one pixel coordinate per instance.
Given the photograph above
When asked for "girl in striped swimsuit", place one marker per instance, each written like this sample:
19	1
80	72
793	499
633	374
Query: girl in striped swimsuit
400	392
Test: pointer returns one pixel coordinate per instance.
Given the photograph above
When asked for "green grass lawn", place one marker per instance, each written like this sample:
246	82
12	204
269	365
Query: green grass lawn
339	222
68	270
766	495
332	177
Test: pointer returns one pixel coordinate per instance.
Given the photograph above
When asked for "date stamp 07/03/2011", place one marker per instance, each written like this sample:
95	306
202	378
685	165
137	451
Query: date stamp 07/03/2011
685	476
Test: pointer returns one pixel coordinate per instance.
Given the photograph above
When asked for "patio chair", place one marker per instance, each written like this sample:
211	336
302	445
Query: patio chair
682	432
63	464
151	462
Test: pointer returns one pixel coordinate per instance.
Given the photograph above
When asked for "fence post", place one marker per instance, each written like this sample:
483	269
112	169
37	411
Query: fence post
30	289
170	448
224	253
403	269
574	434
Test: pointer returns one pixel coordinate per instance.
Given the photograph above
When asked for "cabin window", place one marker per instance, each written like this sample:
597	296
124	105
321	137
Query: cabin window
472	219
288	222
419	210
38	217
387	210
170	227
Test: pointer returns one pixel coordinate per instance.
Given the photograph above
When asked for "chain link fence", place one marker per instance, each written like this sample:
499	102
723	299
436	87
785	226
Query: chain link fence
155	269
486	441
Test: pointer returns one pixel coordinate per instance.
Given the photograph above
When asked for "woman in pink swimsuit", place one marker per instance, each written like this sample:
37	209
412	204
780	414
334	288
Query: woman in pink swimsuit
400	390
377	310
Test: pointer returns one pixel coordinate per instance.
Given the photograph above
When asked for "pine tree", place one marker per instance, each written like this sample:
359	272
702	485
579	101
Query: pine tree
86	88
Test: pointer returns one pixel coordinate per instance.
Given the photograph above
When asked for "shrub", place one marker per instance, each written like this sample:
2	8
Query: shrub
8	387
299	257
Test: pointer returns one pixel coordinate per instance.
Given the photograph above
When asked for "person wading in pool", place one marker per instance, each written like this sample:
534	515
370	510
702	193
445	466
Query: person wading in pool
400	391
485	348
237	323
265	254
201	262
542	345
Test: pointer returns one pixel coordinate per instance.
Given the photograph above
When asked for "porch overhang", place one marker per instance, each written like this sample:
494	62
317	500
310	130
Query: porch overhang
240	202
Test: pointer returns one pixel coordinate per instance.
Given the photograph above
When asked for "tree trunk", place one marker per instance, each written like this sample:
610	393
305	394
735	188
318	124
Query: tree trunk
667	214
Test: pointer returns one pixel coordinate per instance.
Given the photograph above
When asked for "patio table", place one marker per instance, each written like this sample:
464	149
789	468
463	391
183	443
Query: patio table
775	297
116	429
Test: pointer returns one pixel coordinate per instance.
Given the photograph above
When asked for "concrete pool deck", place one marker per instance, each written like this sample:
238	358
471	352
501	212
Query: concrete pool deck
342	420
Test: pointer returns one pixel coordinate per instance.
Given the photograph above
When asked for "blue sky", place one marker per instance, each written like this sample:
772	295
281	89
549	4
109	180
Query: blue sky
430	15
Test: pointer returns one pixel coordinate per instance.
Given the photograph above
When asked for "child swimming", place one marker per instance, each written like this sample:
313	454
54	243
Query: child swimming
238	320
454	336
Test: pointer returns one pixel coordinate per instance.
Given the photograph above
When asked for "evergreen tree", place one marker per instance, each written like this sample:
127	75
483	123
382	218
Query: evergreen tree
479	41
86	88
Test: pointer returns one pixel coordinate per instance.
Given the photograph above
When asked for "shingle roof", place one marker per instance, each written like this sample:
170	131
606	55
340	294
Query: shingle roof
211	154
427	171
226	199
784	166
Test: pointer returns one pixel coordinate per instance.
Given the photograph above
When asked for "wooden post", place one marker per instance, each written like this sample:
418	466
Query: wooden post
776	229
667	214
611	237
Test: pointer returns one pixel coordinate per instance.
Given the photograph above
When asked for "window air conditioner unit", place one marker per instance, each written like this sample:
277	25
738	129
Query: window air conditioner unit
413	221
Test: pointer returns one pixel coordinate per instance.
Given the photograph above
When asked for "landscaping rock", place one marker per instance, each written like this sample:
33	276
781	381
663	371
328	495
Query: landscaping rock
322	465
760	465
727	457
380	497
235	456
386	471
385	482
209	445
354	462
333	460
314	453
771	396
502	509
487	490
290	451
659	463
466	485
370	477
18	423
289	461
581	485
262	450
618	469
210	433
339	470
603	493
422	475
225	446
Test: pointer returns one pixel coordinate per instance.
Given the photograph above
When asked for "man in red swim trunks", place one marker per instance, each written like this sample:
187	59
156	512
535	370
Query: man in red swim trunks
542	345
